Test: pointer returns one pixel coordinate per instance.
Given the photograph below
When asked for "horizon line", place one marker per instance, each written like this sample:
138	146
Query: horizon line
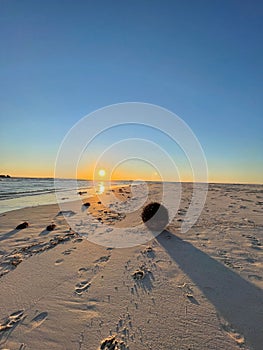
131	180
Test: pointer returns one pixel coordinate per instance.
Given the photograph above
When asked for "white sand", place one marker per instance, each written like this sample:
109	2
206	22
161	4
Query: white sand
201	290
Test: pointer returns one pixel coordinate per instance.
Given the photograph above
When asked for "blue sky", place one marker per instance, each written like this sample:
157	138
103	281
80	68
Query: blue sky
61	60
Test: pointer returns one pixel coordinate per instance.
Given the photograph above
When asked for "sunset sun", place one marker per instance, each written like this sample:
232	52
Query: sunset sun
102	172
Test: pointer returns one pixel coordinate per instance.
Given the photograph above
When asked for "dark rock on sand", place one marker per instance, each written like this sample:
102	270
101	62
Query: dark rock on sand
86	204
22	226
155	216
50	227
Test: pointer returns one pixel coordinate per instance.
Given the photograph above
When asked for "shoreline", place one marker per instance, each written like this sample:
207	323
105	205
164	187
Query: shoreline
12	204
15	203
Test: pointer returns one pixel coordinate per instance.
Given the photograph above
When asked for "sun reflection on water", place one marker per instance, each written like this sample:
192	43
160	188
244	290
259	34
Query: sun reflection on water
101	188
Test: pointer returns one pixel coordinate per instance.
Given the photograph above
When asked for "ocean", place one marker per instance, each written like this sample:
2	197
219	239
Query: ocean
20	192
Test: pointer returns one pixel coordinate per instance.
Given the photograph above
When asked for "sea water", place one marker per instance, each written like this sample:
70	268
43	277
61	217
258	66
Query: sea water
19	192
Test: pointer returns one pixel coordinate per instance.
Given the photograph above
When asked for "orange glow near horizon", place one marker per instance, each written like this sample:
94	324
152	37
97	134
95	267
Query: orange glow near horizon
126	173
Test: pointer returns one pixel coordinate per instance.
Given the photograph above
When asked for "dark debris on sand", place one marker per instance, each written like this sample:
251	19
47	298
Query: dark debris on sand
82	192
51	227
22	226
138	274
87	204
13	259
111	343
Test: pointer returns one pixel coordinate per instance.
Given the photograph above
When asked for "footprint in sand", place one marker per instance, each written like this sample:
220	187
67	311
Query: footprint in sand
138	275
77	240
102	259
11	321
149	252
68	251
90	307
82	287
187	291
66	213
38	320
83	269
59	261
255	242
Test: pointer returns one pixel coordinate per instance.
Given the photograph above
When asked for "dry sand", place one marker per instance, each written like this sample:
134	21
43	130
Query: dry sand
195	291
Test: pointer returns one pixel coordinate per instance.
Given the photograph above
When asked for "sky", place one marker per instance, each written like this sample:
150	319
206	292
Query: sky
202	60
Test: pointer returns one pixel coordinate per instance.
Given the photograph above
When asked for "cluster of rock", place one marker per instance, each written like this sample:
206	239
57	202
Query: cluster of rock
5	176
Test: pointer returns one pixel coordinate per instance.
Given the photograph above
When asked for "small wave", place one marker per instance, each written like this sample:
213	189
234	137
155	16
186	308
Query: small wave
10	195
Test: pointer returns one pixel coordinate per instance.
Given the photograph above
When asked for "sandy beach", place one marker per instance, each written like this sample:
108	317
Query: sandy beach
131	177
199	290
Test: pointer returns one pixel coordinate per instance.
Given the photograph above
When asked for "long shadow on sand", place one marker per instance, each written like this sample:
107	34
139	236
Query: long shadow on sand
8	235
238	301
